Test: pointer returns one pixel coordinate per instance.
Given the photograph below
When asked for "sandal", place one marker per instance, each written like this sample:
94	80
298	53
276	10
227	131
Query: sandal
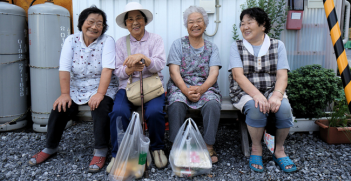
257	160
40	157
98	161
283	162
213	154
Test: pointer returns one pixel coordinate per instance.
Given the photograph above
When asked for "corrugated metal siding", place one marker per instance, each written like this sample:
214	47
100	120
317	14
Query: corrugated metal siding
168	23
310	45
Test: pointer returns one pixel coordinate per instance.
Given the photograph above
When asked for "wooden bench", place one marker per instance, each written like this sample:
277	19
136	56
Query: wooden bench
227	111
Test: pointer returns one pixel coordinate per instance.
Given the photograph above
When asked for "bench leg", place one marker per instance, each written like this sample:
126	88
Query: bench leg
244	138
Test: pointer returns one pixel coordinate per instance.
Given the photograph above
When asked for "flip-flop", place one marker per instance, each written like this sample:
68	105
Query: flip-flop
98	161
283	162
257	160
40	157
212	154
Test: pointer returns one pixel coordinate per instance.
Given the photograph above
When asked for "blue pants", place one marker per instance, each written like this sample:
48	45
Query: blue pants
255	118
154	115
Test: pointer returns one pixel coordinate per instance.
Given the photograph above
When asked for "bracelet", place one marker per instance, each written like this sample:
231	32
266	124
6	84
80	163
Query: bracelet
279	91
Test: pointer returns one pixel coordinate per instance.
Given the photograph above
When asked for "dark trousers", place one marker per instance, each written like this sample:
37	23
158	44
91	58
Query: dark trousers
58	121
154	115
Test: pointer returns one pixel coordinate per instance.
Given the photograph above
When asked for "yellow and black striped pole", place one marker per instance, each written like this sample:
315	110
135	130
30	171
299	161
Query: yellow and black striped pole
340	53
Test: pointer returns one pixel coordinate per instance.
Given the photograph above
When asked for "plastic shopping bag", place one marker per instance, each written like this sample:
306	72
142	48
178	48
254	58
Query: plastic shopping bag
269	140
132	153
189	155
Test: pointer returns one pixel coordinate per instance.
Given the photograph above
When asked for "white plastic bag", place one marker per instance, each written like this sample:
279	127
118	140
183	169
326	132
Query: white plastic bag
132	153
189	155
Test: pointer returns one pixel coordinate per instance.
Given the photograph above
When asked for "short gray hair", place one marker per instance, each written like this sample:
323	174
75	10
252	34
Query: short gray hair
194	9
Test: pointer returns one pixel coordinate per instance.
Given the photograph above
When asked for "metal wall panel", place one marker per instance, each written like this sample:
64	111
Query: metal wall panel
311	44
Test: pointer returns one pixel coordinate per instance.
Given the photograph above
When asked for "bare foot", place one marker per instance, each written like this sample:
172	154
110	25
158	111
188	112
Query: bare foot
279	153
256	150
214	157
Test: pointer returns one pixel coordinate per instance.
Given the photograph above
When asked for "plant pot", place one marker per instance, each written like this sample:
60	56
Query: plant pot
304	125
333	135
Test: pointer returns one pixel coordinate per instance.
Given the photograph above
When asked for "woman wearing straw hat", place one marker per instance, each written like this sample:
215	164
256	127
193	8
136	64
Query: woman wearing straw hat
147	46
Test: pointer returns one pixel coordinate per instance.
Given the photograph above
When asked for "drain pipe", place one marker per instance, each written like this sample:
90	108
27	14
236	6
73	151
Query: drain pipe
217	18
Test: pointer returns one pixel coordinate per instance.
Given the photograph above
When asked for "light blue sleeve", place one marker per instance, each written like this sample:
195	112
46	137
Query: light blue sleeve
175	53
282	57
234	58
214	59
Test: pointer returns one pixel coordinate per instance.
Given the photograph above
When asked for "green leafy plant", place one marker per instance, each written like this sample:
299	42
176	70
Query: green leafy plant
277	11
339	118
235	32
311	89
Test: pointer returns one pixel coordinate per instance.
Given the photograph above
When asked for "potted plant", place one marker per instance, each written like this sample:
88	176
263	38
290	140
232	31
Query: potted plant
310	90
337	128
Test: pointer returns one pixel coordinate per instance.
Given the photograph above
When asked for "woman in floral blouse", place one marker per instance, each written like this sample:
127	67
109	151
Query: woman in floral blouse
194	66
86	64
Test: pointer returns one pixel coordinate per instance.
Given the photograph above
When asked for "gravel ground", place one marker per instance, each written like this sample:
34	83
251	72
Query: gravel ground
315	159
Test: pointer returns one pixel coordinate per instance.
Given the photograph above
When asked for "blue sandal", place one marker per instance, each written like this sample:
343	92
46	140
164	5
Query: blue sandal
255	159
283	162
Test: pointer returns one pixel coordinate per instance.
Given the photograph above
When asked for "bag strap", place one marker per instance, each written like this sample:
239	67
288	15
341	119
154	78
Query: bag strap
190	120
128	50
128	44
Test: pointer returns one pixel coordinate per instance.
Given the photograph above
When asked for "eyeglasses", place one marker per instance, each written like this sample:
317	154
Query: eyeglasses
131	20
198	21
98	24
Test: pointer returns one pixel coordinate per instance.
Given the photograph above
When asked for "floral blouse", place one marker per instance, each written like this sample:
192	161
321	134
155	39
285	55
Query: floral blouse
194	69
85	65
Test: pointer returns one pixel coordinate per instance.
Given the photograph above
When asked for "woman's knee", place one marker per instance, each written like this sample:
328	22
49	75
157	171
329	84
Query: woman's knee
212	105
154	111
252	112
254	117
284	118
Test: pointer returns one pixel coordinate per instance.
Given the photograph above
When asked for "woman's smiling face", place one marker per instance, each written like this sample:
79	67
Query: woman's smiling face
135	23
250	29
196	25
92	27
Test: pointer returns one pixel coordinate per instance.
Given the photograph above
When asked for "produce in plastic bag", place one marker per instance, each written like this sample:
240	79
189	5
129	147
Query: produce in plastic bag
132	153
189	155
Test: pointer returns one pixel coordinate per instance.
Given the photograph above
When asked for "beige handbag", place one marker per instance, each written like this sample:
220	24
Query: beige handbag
152	86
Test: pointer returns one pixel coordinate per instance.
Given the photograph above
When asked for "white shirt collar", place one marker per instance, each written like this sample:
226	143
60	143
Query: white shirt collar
82	40
264	48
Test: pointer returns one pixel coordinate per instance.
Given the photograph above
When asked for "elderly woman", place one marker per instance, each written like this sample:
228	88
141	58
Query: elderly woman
86	64
259	67
194	66
147	46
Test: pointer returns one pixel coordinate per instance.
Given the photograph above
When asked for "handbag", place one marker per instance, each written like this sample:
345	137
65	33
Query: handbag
152	86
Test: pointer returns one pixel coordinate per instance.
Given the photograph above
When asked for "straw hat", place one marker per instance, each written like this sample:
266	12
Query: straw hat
131	7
